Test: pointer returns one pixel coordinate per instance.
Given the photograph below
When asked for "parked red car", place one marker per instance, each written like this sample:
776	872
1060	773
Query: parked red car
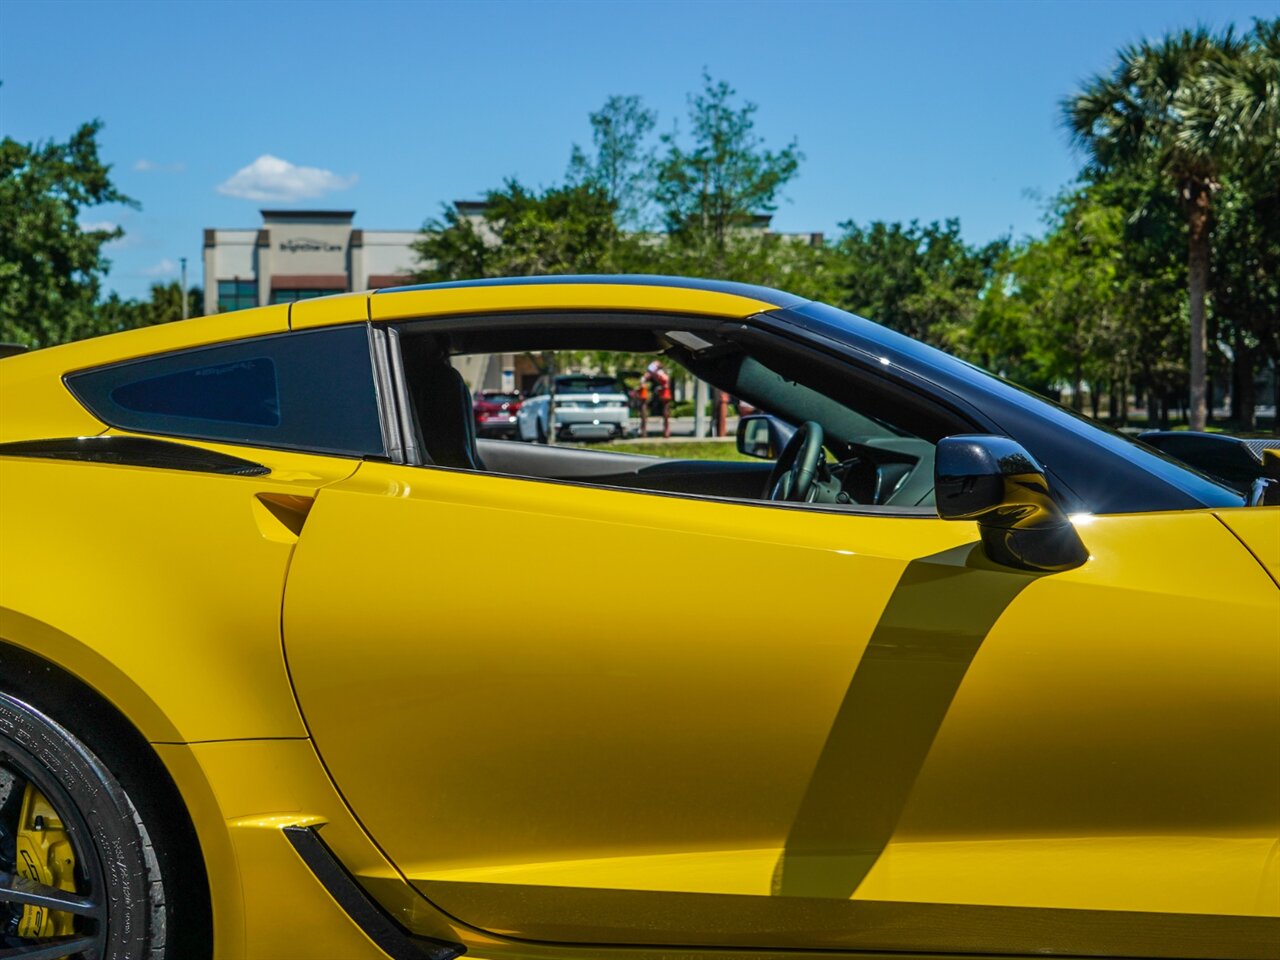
495	413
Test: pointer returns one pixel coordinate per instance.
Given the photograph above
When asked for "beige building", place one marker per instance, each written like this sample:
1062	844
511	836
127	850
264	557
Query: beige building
297	254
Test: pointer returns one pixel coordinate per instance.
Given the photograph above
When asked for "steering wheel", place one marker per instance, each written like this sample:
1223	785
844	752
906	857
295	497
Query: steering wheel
797	466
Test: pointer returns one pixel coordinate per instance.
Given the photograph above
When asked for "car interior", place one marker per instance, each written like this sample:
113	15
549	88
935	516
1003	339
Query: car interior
858	438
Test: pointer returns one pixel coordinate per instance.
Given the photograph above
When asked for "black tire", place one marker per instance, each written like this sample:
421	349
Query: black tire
117	863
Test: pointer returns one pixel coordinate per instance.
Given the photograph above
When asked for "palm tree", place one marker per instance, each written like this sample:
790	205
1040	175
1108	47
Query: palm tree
1148	115
1242	108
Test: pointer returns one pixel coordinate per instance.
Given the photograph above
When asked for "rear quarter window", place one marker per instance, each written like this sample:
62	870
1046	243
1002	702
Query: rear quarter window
312	390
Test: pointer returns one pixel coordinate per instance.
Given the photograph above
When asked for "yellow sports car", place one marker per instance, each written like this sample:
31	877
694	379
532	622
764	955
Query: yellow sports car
930	667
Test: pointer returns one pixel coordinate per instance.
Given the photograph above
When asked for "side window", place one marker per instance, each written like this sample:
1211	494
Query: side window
312	390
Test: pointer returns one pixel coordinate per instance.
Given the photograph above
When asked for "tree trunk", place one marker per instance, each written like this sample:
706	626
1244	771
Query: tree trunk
1243	395
1275	397
1198	221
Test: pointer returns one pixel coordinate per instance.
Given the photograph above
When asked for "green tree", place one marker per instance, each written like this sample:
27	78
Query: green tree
622	167
562	230
1097	301
164	305
1239	107
923	281
1069	283
998	338
165	302
50	267
1245	280
1155	111
1244	96
113	313
714	188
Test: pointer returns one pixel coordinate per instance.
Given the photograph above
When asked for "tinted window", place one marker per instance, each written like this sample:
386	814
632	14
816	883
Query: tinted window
237	294
243	391
588	385
289	295
312	391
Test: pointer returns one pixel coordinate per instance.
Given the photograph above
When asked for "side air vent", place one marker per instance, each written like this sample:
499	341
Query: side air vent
391	938
135	452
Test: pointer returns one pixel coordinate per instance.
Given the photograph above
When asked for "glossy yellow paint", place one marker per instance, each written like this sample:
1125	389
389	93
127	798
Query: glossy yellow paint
266	901
34	403
1037	760
558	296
182	579
1259	530
326	311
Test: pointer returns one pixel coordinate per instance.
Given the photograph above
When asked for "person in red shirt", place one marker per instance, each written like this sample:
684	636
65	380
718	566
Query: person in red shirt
657	375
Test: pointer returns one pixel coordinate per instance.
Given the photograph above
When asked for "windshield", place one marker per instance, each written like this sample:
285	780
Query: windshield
798	403
1050	431
587	384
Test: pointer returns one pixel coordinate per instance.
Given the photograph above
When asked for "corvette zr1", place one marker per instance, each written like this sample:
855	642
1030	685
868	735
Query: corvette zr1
946	671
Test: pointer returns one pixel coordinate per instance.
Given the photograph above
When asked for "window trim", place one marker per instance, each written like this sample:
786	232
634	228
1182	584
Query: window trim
408	436
69	377
385	395
798	339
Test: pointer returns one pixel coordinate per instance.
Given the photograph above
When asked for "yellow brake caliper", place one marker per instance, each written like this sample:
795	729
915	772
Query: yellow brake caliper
45	856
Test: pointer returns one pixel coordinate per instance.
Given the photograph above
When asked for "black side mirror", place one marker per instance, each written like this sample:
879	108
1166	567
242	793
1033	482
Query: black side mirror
994	481
763	436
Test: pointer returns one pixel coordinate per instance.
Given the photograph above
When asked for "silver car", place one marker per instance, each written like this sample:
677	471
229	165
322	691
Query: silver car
587	407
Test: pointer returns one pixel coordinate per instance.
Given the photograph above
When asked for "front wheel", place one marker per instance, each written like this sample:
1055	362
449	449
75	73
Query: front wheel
78	872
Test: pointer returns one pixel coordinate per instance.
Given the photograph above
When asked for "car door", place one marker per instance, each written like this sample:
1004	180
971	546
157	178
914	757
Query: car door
681	721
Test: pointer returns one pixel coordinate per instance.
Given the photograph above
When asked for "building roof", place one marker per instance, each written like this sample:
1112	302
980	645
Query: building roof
306	216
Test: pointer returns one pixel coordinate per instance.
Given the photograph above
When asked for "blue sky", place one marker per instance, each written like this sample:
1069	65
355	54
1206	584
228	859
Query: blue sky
904	110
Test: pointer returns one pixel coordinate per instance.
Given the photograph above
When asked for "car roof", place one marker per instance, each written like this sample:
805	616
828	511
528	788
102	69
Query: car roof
775	298
515	294
652	294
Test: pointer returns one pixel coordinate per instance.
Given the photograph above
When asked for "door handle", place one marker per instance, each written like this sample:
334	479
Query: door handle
281	516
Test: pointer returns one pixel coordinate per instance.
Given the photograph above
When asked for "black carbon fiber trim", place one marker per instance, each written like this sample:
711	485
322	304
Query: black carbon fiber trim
1233	460
391	938
135	452
1257	445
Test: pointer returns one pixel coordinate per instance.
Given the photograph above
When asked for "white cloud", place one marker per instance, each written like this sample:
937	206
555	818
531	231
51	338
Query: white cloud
270	178
165	268
150	166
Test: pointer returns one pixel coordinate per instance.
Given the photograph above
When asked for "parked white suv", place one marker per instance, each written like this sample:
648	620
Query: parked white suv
588	407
